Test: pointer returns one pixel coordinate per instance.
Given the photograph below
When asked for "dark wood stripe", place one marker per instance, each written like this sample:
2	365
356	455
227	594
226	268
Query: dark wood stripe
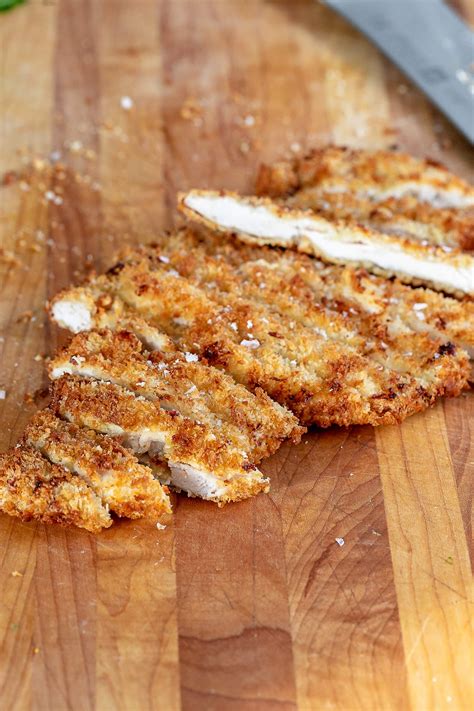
64	665
343	606
234	639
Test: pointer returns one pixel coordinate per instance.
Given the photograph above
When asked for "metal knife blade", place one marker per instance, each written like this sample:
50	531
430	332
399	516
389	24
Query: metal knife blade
427	40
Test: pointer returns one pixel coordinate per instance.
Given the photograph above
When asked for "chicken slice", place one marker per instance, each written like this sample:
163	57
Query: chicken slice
406	217
252	422
126	487
265	222
34	488
375	175
202	462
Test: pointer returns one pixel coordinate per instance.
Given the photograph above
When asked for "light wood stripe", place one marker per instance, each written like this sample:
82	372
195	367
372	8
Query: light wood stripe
356	103
430	560
131	140
459	417
26	115
137	650
27	108
17	641
65	620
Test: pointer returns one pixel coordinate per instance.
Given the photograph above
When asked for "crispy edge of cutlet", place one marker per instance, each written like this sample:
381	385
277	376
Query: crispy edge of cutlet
121	356
33	488
342	410
110	409
450	228
127	487
355	168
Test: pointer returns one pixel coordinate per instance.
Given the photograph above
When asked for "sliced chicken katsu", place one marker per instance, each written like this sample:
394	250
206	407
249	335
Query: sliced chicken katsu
382	304
126	487
262	221
403	217
218	316
370	303
33	488
60	473
203	462
279	286
376	175
252	422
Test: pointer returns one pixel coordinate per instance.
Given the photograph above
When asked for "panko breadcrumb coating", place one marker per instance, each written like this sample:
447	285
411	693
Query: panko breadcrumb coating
304	355
33	488
61	473
374	175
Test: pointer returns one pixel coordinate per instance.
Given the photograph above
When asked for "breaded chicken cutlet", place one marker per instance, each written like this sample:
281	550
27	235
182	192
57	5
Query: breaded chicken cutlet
263	221
209	430
374	175
305	357
403	217
374	306
61	473
382	190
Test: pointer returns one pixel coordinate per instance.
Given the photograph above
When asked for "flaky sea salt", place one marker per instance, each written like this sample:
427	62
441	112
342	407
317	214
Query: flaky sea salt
251	343
126	103
191	357
340	541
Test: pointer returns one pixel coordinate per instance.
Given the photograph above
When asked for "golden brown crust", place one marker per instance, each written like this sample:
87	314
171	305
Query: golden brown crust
252	422
128	488
146	427
364	173
323	380
32	488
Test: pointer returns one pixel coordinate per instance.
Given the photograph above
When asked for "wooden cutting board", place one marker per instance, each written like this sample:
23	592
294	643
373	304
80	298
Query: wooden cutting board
255	606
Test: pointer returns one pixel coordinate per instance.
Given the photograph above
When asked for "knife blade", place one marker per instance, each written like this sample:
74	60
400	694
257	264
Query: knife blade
428	42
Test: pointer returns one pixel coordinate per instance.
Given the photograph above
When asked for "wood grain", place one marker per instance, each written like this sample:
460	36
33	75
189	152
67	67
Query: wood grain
254	606
430	559
229	569
346	632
